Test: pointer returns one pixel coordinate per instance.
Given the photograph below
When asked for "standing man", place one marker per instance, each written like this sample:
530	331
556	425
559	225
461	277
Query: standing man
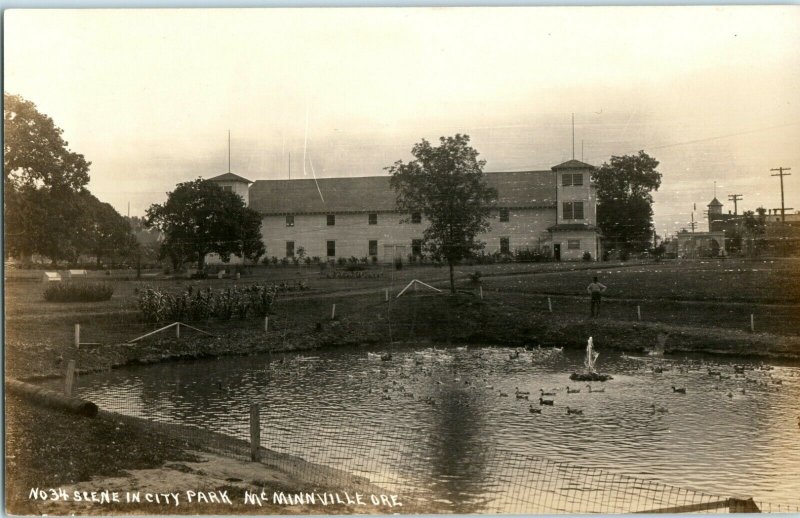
595	290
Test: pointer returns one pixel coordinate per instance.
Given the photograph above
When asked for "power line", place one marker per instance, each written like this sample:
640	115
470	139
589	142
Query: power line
735	198
781	173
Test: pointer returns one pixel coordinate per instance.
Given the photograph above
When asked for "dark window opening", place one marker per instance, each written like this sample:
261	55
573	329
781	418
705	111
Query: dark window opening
373	219
331	248
373	247
504	246
290	249
331	220
416	217
290	220
503	214
416	247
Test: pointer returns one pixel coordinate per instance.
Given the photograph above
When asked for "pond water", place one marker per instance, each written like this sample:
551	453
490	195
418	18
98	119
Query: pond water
446	419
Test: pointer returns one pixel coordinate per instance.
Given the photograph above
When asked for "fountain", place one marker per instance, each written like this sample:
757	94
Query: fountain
590	374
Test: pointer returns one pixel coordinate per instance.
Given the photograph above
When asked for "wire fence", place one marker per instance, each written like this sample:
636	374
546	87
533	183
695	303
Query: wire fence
351	456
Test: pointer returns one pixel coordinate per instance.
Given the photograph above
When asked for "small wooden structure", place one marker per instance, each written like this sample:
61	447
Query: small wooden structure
51	277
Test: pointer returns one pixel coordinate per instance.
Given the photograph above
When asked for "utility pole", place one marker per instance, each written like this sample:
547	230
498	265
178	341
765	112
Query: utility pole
693	223
781	173
734	198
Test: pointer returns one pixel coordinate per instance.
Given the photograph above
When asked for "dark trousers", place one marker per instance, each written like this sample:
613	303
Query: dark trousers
595	305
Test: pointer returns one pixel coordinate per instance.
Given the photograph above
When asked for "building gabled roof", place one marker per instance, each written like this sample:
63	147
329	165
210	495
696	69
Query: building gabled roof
523	189
714	203
229	177
572	164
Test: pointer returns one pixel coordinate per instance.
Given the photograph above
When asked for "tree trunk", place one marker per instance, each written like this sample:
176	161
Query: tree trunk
452	281
201	260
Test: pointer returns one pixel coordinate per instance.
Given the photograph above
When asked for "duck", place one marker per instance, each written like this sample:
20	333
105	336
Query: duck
722	377
658	410
777	382
543	393
548	402
595	390
681	390
523	392
503	394
574	411
539	411
714	373
522	396
730	394
572	391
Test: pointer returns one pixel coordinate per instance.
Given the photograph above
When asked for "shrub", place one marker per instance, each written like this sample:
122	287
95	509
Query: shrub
274	260
78	292
284	261
200	304
398	264
341	261
475	276
587	257
354	267
374	259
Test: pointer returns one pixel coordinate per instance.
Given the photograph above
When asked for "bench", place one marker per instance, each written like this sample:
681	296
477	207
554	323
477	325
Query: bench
51	276
77	273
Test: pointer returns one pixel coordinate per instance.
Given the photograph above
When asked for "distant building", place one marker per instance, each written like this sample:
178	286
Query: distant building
553	211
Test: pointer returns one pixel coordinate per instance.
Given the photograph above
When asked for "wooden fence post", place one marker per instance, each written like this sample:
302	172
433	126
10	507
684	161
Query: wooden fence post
481	291
752	324
266	324
178	330
255	433
549	305
69	378
639	312
77	336
333	312
387	295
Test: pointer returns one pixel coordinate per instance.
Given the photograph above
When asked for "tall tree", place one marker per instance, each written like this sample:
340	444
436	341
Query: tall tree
624	202
200	218
42	180
108	234
447	186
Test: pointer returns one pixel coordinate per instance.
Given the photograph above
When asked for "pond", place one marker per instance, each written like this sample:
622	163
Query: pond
449	419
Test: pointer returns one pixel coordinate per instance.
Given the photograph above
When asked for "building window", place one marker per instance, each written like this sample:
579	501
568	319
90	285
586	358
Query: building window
416	217
373	247
416	247
373	219
227	188
504	247
503	215
572	210
290	249
331	248
574	244
568	179
290	220
331	220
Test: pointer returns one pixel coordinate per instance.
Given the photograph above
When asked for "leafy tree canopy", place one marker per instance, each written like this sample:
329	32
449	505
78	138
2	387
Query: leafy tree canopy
199	218
446	184
34	153
624	202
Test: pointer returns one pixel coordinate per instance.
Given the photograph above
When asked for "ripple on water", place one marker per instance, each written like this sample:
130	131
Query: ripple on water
332	409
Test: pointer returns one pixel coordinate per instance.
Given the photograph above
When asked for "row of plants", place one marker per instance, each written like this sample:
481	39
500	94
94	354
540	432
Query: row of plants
299	259
191	303
353	274
78	292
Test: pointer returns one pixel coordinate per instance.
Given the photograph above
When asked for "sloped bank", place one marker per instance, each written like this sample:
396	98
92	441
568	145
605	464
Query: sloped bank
305	324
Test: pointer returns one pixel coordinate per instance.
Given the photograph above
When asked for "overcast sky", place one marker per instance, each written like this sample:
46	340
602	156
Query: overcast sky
148	96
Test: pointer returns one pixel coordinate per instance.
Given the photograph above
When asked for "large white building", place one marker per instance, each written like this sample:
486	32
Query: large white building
356	217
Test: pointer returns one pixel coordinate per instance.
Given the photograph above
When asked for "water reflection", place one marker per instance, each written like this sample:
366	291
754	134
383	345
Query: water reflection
436	420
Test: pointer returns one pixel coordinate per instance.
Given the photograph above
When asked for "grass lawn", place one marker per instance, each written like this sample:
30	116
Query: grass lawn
687	293
726	281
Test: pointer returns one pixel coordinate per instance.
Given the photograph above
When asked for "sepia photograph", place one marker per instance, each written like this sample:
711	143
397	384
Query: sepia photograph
401	260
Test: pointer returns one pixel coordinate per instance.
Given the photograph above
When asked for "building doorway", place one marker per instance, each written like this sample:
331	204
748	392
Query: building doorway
557	251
